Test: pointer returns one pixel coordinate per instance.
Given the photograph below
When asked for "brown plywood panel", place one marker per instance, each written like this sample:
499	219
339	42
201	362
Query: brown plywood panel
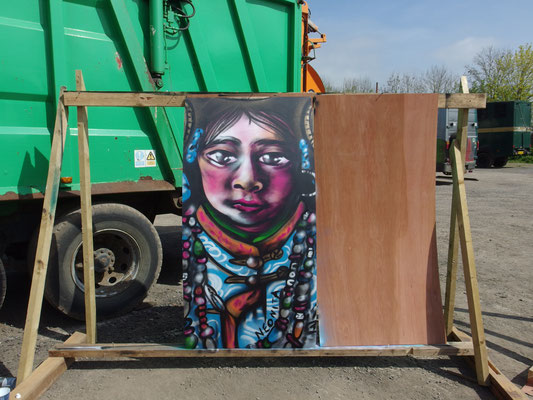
376	247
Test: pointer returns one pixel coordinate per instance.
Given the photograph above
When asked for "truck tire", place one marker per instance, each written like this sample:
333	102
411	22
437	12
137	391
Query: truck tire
500	162
127	260
483	160
3	283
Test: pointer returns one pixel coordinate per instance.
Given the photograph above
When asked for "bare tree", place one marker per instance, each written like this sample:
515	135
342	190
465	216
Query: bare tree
404	83
439	79
329	85
486	71
357	85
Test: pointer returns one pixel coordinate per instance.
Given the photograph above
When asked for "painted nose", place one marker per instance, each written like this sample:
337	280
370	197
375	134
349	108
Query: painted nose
246	178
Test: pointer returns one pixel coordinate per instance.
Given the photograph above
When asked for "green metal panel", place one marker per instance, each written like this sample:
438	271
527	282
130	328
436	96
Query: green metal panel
526	141
230	45
522	113
509	123
505	114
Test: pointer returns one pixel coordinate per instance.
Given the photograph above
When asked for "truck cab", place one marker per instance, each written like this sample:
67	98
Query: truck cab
446	132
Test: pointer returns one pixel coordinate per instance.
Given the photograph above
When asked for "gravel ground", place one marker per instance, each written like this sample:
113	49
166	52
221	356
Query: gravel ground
501	207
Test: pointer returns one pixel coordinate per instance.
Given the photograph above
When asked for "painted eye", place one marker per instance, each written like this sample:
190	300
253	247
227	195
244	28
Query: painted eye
275	159
221	157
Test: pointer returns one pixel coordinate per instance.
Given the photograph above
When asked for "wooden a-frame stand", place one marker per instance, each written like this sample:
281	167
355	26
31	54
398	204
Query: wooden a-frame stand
32	383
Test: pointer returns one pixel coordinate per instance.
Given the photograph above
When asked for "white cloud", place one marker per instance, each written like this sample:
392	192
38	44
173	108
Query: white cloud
370	50
460	53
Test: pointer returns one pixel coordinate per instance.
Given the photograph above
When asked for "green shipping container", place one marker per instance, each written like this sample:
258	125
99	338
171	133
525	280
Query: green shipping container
123	45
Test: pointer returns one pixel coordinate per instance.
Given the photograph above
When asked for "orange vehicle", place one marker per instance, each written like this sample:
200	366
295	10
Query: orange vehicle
311	81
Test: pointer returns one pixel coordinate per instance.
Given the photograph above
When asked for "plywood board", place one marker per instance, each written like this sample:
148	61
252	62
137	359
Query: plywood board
376	249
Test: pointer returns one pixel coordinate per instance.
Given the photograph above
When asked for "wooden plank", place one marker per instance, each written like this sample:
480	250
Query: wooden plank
451	274
86	216
116	350
462	123
453	246
505	129
376	246
500	385
177	99
469	266
463	100
47	373
40	267
125	99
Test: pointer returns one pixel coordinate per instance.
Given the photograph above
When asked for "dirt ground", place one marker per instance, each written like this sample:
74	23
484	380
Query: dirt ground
501	210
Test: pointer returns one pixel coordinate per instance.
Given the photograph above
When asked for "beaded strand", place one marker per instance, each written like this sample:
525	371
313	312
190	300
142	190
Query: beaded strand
194	281
295	295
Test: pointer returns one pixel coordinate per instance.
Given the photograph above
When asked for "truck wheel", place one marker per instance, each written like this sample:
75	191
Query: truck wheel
127	261
500	162
483	161
3	283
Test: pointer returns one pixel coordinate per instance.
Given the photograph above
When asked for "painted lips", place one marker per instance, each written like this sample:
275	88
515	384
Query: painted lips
248	206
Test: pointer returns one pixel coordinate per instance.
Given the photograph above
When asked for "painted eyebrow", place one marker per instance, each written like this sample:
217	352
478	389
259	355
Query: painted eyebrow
267	142
224	140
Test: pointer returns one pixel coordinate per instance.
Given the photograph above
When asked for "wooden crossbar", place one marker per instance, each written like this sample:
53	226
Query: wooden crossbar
177	99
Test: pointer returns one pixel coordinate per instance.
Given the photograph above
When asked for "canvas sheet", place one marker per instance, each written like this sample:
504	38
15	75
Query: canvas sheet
249	226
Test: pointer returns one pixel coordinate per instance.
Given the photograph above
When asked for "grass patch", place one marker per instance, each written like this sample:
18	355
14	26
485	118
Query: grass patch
522	159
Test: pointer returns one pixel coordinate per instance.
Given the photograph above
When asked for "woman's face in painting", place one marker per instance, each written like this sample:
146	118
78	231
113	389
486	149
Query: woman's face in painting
247	175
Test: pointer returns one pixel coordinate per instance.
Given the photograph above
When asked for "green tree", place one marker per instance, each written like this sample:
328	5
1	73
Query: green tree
504	75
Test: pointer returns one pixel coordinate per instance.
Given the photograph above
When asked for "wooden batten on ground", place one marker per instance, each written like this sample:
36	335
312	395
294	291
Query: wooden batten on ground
528	387
117	350
47	373
499	384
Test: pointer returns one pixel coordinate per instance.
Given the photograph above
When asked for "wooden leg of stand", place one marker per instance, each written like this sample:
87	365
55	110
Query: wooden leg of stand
46	374
86	217
40	267
453	248
451	275
469	266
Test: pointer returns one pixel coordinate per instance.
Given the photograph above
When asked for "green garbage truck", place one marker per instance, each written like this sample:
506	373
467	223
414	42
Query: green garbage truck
136	154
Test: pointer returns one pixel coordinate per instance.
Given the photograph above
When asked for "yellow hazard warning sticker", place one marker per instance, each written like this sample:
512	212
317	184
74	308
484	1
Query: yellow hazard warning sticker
145	158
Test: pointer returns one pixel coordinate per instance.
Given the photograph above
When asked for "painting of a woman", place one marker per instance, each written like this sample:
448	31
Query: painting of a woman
249	224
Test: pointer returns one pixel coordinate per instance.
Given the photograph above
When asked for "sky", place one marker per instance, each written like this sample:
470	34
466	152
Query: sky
373	39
